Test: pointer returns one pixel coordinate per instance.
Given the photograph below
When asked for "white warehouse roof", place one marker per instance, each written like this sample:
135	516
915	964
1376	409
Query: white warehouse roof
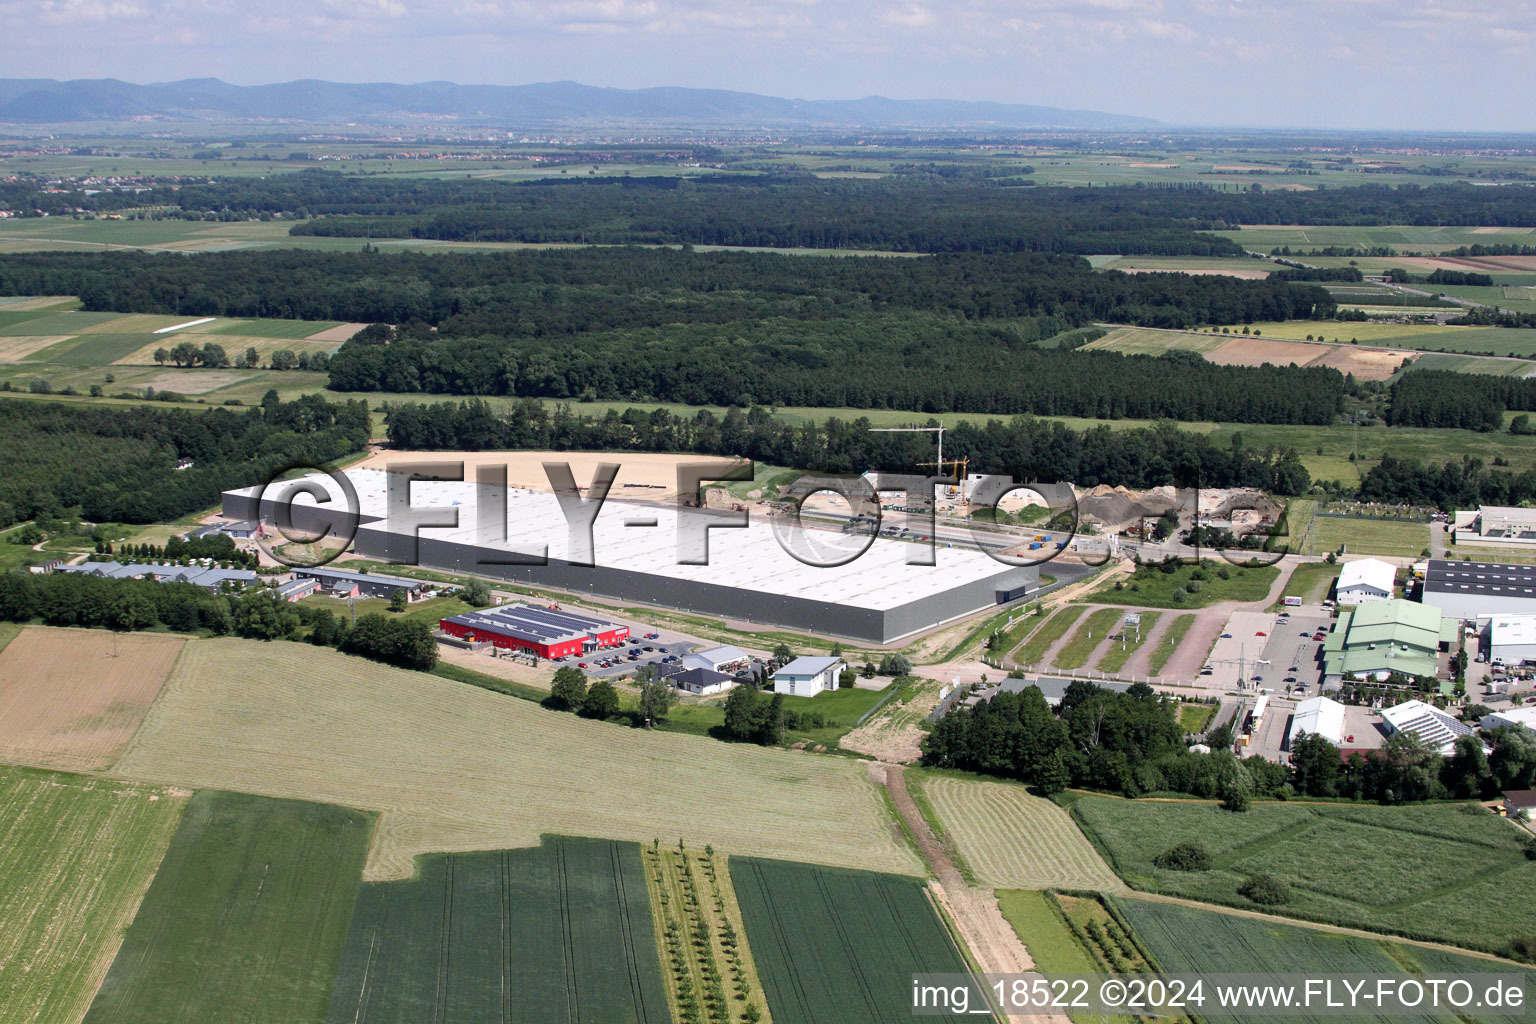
746	558
1367	572
1525	717
1321	716
1432	725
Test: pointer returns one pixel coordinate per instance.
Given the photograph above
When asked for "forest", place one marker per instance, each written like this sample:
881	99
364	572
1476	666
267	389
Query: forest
908	212
1023	447
1441	398
119	464
1456	484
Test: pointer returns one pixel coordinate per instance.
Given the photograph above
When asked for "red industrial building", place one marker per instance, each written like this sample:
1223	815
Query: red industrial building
547	632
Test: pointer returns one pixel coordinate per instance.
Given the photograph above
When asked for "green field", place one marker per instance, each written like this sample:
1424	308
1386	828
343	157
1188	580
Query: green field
1150	587
1359	536
1186	940
245	919
76	855
559	932
1054	629
1402	237
1433	871
1074	653
1311	581
1177	630
1494	341
837	945
1475	364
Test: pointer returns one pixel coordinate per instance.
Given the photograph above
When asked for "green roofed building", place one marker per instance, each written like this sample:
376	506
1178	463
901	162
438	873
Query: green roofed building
1383	637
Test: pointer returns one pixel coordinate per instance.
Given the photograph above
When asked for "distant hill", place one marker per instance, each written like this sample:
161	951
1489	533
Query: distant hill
44	100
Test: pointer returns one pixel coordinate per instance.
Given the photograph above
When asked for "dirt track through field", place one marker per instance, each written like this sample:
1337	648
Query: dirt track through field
986	932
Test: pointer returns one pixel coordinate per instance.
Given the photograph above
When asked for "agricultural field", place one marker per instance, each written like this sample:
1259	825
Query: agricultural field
837	946
1131	640
1431	871
1361	536
72	698
1246	350
1494	341
1229	266
561	931
245	918
1090	633
1187	940
76	856
1054	629
1403	237
1475	364
1178	629
1012	839
454	768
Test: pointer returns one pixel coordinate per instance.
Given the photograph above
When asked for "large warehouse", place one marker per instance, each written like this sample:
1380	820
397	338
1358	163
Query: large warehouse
1504	525
1467	590
1511	639
639	551
547	632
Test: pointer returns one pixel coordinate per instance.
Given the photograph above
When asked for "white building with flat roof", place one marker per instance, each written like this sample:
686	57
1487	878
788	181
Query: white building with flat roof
1505	525
806	677
1522	718
1511	639
651	552
1319	716
1365	580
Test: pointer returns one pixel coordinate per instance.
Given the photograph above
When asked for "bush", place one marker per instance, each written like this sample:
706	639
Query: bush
1236	800
1184	857
1266	890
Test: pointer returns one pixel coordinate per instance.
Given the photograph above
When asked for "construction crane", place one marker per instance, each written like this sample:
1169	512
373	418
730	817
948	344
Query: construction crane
961	465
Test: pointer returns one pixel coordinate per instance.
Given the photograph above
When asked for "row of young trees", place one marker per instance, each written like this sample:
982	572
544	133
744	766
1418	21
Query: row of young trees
76	599
1023	447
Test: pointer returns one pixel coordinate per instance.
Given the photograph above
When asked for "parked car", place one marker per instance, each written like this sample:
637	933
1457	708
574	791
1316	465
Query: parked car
1226	636
1260	632
581	664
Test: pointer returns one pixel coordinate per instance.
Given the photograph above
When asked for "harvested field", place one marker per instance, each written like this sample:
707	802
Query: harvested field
835	946
559	932
1014	840
455	768
1365	364
139	323
72	698
203	382
341	332
76	856
245	919
13	349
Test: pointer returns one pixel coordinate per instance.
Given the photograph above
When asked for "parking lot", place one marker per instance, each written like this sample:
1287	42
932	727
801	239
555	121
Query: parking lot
614	662
1275	651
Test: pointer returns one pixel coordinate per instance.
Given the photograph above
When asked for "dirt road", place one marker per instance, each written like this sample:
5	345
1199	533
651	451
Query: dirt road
987	933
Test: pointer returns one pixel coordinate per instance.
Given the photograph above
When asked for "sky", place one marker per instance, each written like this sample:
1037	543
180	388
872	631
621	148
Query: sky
1386	64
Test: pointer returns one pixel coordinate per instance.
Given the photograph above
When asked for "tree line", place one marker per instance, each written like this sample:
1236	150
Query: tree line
77	599
1023	447
1473	401
119	464
1466	483
1131	743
